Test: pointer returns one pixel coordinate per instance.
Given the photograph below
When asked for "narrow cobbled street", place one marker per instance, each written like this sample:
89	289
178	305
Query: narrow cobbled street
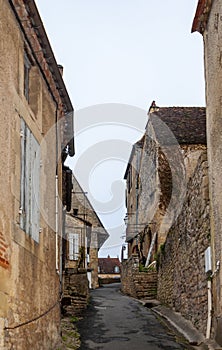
115	321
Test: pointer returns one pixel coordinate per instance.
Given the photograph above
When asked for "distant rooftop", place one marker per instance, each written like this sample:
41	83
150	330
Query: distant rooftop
107	265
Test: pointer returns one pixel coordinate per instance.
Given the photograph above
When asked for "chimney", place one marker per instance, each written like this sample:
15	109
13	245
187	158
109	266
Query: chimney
153	108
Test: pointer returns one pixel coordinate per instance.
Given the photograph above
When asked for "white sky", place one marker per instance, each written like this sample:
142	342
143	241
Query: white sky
122	52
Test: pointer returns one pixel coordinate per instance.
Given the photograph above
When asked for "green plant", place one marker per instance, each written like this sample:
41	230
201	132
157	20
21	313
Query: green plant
162	248
74	319
142	268
157	256
151	268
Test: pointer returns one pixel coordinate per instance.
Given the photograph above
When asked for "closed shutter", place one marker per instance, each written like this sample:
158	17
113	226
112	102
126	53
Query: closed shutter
30	176
35	176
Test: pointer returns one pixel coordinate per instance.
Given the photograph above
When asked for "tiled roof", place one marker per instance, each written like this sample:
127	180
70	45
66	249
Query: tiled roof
107	265
188	124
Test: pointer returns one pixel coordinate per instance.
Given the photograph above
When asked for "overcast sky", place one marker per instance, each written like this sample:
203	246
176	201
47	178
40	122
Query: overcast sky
118	57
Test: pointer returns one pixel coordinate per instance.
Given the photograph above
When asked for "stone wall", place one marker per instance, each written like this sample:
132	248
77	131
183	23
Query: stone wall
76	292
109	280
140	285
213	76
182	282
93	265
4	251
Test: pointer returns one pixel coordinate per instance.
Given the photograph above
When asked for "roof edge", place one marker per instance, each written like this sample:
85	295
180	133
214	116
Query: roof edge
201	16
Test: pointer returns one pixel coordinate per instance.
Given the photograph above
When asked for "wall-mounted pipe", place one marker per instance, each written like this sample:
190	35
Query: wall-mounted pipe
57	222
209	309
210	274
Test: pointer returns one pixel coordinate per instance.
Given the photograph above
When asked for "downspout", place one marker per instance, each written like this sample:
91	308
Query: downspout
137	194
57	222
57	195
209	312
209	300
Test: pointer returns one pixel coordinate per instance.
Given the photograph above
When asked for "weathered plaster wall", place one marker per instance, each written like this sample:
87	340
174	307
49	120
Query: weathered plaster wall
29	288
213	76
182	282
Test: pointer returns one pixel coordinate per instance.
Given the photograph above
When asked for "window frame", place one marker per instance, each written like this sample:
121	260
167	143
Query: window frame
73	246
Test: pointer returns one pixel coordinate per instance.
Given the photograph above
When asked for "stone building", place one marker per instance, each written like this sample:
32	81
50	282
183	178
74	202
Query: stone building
84	236
171	204
157	173
36	128
208	22
109	270
182	277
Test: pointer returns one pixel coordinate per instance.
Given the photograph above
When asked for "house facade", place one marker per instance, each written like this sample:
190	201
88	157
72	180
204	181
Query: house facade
36	128
171	233
208	22
159	167
109	270
84	236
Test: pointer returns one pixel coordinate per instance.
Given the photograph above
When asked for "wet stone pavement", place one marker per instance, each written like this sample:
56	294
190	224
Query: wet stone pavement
114	321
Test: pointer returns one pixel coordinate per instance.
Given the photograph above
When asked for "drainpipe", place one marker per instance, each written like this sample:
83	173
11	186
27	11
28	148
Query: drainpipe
209	298
208	270
209	313
137	192
57	224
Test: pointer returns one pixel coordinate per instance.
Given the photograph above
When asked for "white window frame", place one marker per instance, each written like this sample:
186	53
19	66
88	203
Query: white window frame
116	269
30	183
74	241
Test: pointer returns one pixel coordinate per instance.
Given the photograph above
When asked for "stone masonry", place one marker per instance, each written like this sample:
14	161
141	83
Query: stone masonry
182	281
140	285
76	292
208	21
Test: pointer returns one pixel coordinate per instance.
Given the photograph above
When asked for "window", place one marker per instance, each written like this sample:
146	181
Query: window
27	67
73	246
116	269
29	190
